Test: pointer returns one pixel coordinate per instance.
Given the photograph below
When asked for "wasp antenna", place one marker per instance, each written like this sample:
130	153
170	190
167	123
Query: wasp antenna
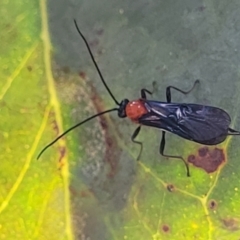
73	127
95	63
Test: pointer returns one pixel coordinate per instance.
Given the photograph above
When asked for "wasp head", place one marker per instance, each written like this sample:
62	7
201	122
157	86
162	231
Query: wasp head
122	108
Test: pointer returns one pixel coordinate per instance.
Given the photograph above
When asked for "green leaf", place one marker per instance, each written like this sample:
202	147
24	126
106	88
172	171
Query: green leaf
34	199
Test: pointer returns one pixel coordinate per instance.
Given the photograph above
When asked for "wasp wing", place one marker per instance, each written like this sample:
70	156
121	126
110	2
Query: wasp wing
195	122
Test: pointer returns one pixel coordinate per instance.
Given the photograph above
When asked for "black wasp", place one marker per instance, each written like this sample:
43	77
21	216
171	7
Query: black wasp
195	122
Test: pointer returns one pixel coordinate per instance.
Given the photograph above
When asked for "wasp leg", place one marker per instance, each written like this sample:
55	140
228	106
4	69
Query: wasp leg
135	133
168	90
144	91
161	150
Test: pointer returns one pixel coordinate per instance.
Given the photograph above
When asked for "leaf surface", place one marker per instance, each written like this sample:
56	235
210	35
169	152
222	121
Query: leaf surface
89	183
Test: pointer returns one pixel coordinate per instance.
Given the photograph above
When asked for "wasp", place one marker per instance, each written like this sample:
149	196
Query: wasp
195	122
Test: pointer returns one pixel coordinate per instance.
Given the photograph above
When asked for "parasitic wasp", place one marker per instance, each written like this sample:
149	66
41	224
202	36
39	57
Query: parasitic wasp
195	122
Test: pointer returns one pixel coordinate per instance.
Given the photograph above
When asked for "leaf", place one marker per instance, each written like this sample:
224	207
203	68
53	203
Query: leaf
34	200
174	45
89	184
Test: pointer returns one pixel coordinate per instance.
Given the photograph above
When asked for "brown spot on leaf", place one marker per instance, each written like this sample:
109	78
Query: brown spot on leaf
53	122
165	228
231	224
170	187
202	151
62	151
212	204
82	74
55	127
112	152
208	159
191	158
29	68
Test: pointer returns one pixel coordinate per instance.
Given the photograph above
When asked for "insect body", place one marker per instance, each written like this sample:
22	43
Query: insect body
202	124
